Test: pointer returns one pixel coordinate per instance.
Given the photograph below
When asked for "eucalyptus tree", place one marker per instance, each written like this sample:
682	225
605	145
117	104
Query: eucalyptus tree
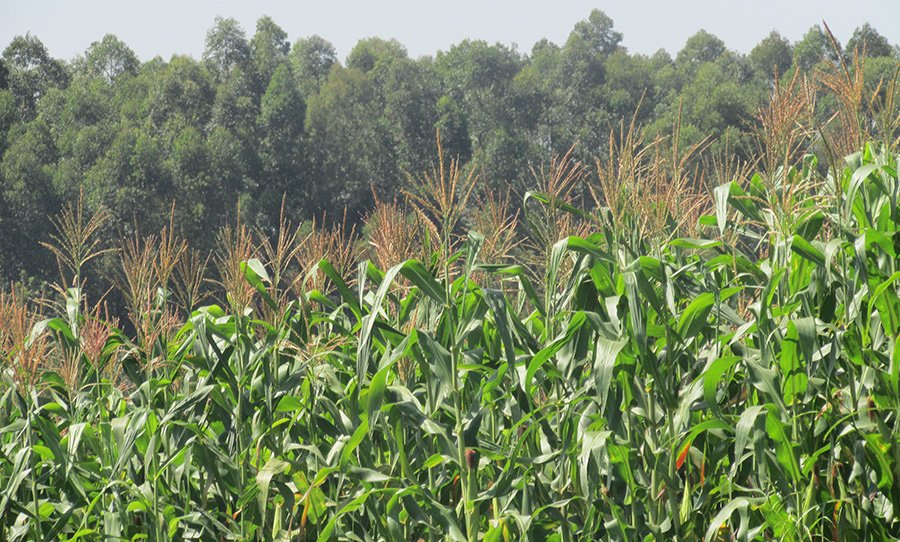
227	48
773	55
269	48
283	151
110	58
32	71
312	59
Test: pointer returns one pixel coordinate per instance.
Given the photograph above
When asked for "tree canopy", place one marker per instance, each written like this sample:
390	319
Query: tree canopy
261	119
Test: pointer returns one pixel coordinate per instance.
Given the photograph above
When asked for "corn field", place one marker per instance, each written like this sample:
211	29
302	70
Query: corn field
740	386
652	361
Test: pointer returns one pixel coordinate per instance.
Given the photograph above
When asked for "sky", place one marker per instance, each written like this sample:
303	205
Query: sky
167	27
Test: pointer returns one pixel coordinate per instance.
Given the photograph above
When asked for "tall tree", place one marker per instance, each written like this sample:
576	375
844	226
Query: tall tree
866	38
27	191
312	59
813	47
183	93
32	72
699	48
351	148
281	123
773	54
198	202
133	182
546	81
227	48
629	83
368	53
597	33
410	90
479	77
110	58
269	48
579	104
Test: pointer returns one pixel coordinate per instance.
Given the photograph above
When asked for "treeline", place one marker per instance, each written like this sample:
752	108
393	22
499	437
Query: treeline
255	119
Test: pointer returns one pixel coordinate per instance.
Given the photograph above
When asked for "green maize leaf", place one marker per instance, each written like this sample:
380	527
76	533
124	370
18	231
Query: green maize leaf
807	250
544	355
784	447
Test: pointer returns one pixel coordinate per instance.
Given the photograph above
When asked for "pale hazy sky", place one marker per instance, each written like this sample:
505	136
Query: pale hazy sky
166	27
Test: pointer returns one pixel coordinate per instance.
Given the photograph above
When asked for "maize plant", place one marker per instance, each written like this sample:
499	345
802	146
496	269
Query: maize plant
740	384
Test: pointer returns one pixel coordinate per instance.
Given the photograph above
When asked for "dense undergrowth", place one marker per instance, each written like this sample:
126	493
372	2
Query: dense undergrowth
668	364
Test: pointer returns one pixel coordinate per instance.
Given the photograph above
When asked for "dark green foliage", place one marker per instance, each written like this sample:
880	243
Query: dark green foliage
773	55
110	58
227	48
312	58
812	49
282	147
269	48
31	72
867	39
257	119
701	48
